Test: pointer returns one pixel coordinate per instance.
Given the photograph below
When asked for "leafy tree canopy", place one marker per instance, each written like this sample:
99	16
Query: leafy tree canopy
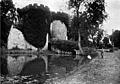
115	38
7	16
90	20
63	17
35	23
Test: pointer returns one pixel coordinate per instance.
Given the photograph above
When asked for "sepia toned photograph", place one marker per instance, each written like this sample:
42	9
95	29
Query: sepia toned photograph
59	41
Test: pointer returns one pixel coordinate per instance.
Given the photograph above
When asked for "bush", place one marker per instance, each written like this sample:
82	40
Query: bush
113	49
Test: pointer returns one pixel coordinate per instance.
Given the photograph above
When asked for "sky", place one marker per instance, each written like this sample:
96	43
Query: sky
113	20
112	8
54	5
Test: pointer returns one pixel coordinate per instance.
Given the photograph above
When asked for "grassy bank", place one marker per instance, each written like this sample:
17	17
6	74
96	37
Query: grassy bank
98	71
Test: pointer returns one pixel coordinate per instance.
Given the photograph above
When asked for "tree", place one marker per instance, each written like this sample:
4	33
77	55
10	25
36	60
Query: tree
115	38
88	22
76	4
83	31
7	17
93	18
35	24
99	37
105	42
96	15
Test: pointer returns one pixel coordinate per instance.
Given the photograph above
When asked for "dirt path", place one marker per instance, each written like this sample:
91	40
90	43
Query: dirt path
98	71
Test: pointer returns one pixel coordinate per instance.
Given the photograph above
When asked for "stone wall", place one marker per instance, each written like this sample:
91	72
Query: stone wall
16	38
58	30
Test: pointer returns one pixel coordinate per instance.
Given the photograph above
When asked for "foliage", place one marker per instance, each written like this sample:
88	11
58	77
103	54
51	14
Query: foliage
63	17
90	20
115	38
6	5
7	16
75	21
105	41
99	37
72	30
95	16
76	5
35	23
96	12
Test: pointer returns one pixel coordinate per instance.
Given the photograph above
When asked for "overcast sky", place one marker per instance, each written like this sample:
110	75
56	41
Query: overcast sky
112	8
113	21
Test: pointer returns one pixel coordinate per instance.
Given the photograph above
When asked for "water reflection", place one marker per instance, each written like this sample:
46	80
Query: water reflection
32	63
15	63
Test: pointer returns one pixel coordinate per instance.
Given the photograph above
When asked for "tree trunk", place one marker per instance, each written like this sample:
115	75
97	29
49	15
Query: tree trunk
79	37
79	43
